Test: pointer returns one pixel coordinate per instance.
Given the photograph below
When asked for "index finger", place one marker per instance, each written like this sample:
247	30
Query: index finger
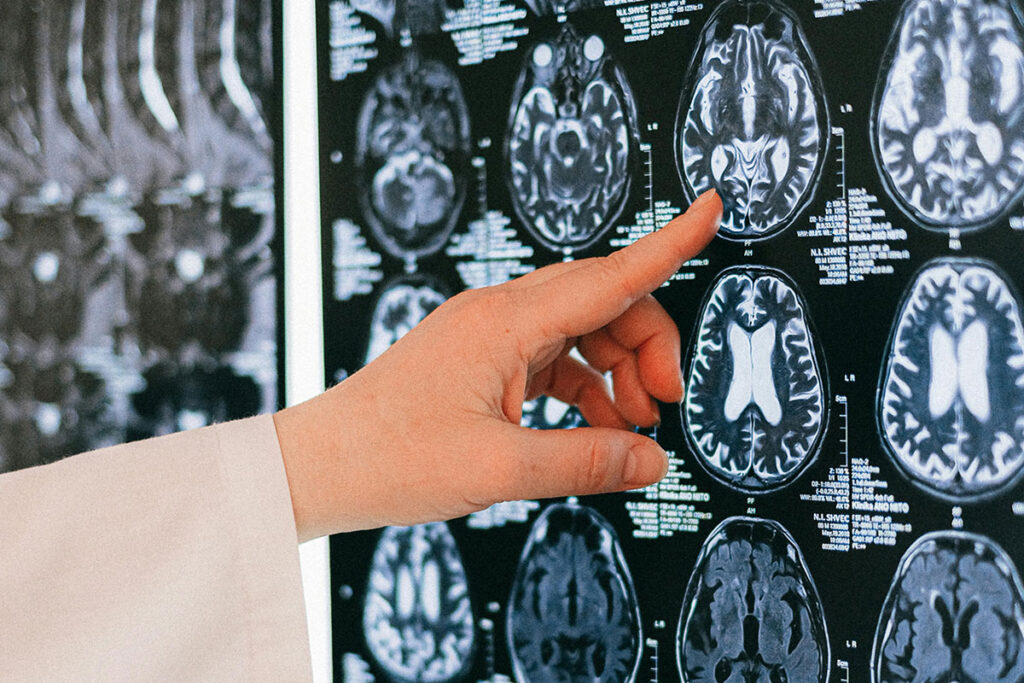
589	296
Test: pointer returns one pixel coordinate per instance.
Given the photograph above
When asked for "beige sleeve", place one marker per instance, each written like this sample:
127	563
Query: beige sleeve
173	559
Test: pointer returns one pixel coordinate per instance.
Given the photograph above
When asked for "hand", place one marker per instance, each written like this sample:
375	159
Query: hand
430	429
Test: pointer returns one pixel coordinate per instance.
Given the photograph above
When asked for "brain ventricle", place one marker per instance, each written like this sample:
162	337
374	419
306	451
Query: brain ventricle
751	613
954	614
949	102
573	612
752	120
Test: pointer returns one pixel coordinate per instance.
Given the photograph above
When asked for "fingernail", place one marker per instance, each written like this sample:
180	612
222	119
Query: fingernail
655	413
645	464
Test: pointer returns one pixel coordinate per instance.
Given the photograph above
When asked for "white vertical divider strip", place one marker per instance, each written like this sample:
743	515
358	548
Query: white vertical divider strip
304	365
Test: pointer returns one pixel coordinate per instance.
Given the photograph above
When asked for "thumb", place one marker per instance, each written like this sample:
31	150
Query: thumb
567	462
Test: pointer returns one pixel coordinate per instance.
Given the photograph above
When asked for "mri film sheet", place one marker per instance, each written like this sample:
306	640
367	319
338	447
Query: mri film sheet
844	495
139	247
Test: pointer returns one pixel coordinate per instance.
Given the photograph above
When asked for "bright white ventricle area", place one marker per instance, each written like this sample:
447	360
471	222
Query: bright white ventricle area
570	143
417	615
949	129
754	407
952	390
752	124
954	613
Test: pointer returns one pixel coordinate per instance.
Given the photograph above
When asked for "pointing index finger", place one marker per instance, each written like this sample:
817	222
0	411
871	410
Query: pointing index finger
590	296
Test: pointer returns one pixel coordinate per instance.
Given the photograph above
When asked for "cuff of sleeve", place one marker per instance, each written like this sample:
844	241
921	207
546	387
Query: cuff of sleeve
257	486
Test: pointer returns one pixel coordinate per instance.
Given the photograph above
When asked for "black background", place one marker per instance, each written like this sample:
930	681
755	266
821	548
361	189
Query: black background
852	322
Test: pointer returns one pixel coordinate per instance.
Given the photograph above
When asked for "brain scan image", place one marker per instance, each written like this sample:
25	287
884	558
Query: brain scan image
412	155
573	614
417	616
752	120
751	610
545	412
755	407
954	613
400	307
572	141
951	392
948	119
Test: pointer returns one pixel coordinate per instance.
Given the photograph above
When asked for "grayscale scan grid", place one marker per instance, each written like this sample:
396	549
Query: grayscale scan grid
844	499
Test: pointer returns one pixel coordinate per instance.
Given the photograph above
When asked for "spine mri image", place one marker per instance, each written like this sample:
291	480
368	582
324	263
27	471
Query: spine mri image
752	611
951	391
572	142
573	613
954	612
752	120
948	125
412	155
417	616
755	408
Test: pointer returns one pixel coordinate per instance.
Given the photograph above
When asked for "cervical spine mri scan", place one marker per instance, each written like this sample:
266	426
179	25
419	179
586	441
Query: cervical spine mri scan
417	616
752	119
951	393
572	141
573	613
412	154
752	611
400	308
949	112
755	407
954	613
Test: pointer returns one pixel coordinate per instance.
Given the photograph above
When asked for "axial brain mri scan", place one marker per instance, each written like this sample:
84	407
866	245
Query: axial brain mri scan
573	613
948	126
572	141
954	612
752	120
412	155
755	406
752	611
951	392
417	616
401	306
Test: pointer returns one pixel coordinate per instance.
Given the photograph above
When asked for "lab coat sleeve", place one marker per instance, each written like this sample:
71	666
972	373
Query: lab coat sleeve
172	559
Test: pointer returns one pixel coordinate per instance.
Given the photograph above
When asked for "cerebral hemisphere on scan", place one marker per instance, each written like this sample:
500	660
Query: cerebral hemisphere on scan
417	615
951	391
752	611
572	141
412	155
752	120
954	613
400	307
573	613
755	406
948	120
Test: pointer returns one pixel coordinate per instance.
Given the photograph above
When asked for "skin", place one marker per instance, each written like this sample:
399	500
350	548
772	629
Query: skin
430	429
